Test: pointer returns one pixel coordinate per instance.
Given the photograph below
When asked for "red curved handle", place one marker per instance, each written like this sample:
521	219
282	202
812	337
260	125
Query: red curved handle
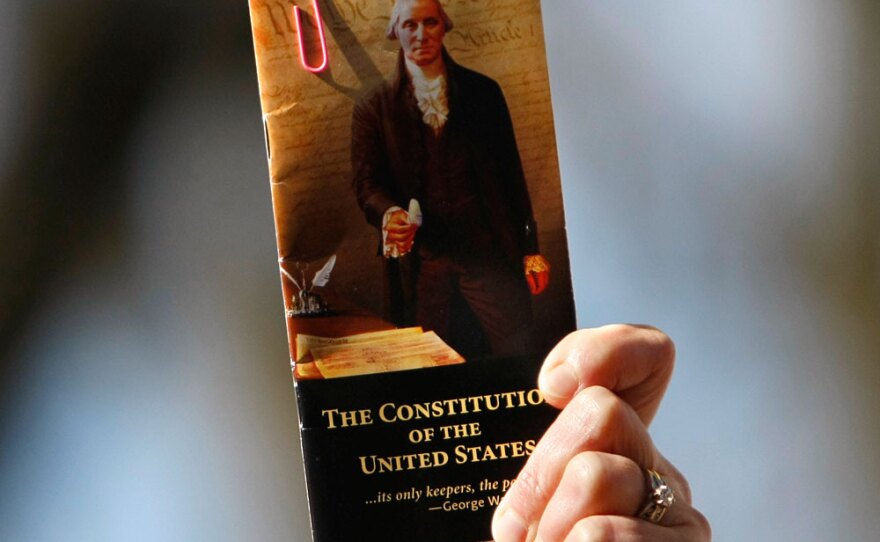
302	50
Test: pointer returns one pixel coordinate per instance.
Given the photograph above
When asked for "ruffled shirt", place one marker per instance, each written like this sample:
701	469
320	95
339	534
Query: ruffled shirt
430	94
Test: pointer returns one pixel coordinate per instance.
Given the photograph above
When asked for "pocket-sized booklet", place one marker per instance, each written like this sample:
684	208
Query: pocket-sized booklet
421	251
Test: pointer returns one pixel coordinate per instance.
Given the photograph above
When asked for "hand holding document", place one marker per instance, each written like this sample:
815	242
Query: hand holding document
399	229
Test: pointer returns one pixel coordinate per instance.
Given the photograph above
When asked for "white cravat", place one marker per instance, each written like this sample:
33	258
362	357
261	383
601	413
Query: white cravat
430	93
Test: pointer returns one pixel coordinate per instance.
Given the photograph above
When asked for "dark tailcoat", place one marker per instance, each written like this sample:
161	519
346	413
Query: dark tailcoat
388	154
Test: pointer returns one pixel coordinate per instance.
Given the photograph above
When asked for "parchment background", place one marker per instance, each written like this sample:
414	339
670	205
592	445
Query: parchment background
308	120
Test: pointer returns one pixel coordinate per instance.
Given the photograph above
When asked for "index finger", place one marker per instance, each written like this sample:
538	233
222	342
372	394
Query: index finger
633	361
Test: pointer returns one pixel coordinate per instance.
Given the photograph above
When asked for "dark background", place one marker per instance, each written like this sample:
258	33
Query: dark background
721	170
339	487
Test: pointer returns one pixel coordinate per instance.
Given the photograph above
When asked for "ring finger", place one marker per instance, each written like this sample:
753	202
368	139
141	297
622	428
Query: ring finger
596	484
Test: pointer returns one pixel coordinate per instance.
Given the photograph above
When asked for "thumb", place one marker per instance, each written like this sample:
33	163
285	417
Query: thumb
635	362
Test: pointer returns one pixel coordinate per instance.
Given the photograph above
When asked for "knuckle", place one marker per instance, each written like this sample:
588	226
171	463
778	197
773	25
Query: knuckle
599	474
531	487
593	529
587	471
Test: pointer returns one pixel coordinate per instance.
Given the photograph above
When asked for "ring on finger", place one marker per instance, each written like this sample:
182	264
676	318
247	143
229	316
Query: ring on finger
660	498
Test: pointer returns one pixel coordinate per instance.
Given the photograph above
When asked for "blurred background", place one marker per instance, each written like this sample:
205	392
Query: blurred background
721	163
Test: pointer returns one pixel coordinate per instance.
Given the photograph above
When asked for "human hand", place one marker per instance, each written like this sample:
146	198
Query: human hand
586	479
537	270
400	232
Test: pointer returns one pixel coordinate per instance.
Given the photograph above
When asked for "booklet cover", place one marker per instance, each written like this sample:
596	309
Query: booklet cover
421	249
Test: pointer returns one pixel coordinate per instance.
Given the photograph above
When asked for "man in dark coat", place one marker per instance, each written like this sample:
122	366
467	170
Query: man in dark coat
437	172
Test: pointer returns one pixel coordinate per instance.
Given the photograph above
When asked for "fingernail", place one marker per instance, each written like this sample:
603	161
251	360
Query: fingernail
559	382
508	526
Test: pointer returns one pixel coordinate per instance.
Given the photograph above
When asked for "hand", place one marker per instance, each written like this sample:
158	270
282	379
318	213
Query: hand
400	232
537	270
586	478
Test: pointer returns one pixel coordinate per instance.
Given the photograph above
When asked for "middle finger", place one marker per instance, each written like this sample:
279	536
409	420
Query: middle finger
596	420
